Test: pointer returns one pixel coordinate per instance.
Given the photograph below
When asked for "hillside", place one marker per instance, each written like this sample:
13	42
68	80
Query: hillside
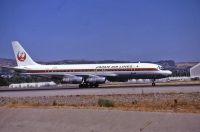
7	62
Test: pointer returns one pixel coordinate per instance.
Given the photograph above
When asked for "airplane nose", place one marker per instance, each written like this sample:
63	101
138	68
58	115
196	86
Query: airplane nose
168	73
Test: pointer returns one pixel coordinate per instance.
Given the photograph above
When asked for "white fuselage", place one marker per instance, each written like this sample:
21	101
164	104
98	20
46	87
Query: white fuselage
130	70
87	74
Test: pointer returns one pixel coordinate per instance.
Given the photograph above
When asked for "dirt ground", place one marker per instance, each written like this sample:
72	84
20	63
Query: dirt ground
169	102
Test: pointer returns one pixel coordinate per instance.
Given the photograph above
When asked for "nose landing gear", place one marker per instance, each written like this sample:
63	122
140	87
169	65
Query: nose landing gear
153	82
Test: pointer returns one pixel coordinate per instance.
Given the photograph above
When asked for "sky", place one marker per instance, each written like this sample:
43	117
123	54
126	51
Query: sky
130	30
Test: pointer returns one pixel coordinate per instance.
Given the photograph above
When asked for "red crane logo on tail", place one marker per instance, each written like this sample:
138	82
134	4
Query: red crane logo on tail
21	56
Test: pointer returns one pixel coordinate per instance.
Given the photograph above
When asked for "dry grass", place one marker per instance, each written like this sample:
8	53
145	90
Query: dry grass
146	104
188	107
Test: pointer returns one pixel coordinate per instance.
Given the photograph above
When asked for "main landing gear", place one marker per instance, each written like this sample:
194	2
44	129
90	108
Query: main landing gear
88	85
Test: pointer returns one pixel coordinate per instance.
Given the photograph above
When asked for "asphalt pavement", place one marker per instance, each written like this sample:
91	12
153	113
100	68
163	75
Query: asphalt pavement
81	120
100	91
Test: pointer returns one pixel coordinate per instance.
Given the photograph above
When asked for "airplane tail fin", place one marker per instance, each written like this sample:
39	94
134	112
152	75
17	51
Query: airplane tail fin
22	57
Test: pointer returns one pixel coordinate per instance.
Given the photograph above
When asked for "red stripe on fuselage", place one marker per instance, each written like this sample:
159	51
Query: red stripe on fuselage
94	70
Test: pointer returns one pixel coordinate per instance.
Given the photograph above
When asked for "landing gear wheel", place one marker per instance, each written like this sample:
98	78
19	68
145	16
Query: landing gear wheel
96	85
80	85
90	85
83	85
86	85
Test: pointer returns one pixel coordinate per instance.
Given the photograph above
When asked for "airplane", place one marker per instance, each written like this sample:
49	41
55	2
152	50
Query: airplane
87	75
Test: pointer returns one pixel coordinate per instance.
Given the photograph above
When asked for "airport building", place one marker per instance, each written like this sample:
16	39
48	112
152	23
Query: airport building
195	71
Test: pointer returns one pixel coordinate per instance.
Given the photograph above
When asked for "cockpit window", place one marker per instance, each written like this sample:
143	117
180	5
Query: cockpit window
161	68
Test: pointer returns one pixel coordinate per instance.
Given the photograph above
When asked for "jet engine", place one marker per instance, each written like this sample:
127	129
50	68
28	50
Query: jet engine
74	80
95	80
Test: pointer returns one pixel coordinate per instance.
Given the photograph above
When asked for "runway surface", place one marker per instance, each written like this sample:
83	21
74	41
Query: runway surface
101	91
81	120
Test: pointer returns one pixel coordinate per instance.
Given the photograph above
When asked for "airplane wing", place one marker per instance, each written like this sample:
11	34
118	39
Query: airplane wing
61	75
8	68
12	69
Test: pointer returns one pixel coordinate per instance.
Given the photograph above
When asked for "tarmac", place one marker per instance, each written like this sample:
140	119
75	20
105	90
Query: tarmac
98	91
84	120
